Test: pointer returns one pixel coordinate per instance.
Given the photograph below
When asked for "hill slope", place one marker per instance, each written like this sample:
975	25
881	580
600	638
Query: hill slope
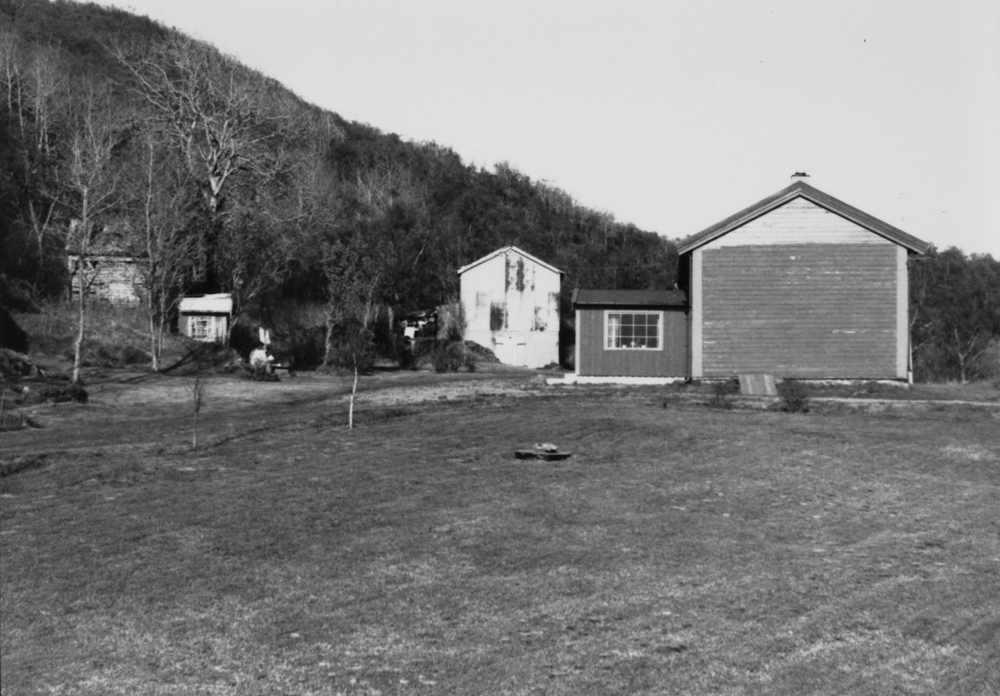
257	186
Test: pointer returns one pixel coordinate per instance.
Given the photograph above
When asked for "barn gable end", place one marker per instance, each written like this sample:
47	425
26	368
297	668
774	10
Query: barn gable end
799	221
800	285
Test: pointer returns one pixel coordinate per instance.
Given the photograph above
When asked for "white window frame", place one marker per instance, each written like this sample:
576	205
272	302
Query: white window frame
659	328
195	322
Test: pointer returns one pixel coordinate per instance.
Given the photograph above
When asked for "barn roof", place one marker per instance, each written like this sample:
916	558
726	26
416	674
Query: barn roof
629	298
503	250
800	189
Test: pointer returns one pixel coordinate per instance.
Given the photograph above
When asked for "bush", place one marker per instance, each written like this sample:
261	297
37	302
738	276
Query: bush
722	393
55	392
11	335
303	346
794	396
101	354
352	346
451	356
481	353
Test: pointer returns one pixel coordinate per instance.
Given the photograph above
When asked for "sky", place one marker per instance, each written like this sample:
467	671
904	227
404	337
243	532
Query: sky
669	114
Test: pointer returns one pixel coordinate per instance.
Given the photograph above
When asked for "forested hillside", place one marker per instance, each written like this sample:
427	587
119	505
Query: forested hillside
117	133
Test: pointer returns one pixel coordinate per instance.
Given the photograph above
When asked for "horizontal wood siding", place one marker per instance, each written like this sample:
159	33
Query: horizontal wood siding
799	221
800	310
595	361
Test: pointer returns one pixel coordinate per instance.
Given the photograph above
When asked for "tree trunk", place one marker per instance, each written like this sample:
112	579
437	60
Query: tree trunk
161	333
153	344
328	342
960	355
81	316
354	391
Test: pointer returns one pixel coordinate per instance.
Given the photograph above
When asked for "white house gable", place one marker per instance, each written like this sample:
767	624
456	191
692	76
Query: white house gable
510	302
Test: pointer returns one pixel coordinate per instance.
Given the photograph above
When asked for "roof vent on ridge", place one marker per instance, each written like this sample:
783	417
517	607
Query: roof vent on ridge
800	177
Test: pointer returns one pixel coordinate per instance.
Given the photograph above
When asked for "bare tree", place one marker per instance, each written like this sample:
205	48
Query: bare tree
210	107
91	181
12	72
253	257
33	78
163	241
41	226
44	85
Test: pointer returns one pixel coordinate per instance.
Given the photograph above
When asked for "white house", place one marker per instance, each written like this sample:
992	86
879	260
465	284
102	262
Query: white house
510	303
206	317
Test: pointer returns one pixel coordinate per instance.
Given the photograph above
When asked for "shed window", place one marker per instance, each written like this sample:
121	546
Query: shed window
201	328
633	330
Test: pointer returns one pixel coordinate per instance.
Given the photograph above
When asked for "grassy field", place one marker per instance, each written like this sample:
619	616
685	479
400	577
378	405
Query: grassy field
680	550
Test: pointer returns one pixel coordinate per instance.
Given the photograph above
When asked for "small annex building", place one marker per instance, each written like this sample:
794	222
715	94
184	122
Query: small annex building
206	317
630	335
800	285
510	304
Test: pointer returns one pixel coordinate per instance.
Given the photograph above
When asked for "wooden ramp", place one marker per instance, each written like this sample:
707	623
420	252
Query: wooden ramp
758	385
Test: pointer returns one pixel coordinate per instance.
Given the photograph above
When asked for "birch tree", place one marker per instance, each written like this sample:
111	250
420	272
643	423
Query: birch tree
91	182
163	240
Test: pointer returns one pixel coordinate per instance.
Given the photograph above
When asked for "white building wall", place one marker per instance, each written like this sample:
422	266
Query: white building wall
526	297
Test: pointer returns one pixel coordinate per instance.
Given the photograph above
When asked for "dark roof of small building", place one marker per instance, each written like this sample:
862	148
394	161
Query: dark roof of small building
629	298
796	190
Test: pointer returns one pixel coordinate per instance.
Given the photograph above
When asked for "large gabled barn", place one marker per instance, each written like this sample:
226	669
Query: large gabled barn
802	285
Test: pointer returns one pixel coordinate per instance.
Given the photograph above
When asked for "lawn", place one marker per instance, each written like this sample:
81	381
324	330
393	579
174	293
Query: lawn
680	550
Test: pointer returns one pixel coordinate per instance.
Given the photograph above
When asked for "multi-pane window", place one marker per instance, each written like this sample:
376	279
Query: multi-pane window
200	328
632	330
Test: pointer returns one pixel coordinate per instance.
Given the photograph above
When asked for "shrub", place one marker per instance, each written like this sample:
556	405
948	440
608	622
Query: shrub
722	393
794	396
103	354
302	346
352	347
11	335
451	356
55	392
483	354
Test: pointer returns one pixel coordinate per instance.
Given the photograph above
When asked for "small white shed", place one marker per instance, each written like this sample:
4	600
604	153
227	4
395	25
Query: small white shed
206	317
510	303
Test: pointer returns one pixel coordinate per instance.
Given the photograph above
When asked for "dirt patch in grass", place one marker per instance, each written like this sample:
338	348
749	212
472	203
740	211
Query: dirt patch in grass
680	550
